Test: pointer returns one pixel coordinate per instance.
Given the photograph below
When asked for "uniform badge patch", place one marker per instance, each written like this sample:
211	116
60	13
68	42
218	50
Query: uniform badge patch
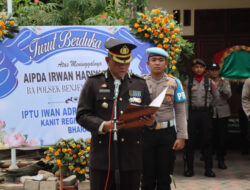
168	99
179	95
135	93
170	92
135	100
135	96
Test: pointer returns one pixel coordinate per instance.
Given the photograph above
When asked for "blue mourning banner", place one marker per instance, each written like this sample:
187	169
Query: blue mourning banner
42	71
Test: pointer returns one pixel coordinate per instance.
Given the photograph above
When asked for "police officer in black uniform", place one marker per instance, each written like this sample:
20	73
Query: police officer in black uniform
94	112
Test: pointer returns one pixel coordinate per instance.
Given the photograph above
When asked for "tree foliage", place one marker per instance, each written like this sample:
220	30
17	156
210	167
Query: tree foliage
75	12
28	13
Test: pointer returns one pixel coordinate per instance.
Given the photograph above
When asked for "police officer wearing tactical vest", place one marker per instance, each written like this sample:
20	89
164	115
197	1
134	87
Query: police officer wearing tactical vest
221	113
200	92
161	141
94	112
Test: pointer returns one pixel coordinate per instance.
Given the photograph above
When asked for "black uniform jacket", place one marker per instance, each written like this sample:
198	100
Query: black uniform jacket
95	106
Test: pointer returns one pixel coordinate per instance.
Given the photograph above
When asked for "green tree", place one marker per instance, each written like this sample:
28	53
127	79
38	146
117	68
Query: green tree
117	12
3	6
28	13
74	12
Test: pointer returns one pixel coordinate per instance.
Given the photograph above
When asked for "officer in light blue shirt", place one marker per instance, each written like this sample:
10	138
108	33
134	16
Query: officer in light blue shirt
170	130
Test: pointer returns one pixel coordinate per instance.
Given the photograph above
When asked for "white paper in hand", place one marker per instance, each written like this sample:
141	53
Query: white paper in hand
159	99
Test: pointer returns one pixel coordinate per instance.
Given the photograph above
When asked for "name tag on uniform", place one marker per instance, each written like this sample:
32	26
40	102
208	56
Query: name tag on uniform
135	93
104	90
135	100
179	95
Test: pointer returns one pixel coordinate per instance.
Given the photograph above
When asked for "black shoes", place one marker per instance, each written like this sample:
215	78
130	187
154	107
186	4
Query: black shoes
209	173
189	173
244	151
222	165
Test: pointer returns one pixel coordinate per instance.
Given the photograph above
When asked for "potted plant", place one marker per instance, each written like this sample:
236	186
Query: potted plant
70	157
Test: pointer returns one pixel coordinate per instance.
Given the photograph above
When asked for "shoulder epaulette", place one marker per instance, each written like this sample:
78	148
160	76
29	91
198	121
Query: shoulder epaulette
171	76
136	76
97	74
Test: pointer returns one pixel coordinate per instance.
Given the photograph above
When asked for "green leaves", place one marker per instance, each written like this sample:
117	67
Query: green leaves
68	158
64	169
80	177
29	14
3	5
62	12
75	12
187	48
7	26
55	168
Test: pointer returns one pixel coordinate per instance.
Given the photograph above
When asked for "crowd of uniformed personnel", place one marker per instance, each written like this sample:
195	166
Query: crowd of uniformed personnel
201	108
208	112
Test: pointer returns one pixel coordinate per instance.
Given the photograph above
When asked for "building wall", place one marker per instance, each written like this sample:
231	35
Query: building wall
193	5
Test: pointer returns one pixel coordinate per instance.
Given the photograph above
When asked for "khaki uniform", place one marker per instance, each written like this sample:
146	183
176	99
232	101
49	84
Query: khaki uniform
220	104
246	98
198	94
169	109
220	119
158	153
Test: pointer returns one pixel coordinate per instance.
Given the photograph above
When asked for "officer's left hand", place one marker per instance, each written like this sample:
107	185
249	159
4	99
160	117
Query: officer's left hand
179	144
148	120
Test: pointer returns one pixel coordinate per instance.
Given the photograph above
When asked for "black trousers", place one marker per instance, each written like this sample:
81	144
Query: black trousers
129	180
199	124
158	158
248	136
244	131
220	137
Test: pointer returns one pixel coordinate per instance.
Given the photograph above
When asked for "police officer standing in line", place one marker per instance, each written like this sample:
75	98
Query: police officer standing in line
246	104
200	91
220	114
160	142
94	112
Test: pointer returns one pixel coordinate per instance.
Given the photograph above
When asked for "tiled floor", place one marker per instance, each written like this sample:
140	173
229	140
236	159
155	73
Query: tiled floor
236	177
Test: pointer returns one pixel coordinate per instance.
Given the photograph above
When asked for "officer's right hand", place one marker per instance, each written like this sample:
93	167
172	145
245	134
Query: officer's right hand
108	125
148	120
